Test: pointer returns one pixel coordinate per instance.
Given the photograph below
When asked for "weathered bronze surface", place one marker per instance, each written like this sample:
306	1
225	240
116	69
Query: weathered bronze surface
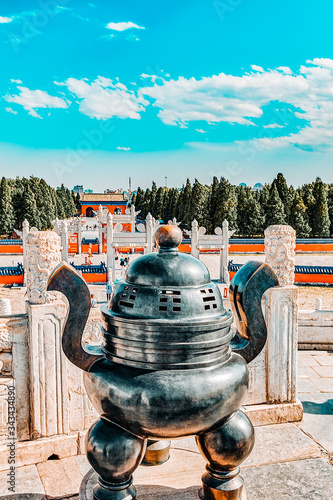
165	368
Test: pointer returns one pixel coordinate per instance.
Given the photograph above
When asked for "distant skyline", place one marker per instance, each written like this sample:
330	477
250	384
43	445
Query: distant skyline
95	92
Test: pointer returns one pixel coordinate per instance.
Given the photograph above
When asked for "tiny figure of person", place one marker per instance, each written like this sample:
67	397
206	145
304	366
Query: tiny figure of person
122	262
93	300
126	261
108	290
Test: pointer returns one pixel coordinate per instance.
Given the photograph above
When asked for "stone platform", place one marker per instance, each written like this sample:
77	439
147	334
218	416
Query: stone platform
289	461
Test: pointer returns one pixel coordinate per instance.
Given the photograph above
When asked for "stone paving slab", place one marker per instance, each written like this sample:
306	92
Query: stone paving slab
60	477
323	384
326	360
303	480
318	418
27	484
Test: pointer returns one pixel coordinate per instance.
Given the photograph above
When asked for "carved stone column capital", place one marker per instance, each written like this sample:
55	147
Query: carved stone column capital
280	242
43	255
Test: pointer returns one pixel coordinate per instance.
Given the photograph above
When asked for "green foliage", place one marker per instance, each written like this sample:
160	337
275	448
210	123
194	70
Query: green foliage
33	199
184	206
299	218
274	209
7	215
284	193
321	219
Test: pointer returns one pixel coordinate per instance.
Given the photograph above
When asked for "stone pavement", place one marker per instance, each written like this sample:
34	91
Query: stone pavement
289	461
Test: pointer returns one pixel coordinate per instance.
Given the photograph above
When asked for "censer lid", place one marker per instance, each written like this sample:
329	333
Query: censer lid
167	285
168	267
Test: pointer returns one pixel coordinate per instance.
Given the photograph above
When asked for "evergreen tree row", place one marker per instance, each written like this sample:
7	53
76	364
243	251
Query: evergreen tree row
308	209
33	199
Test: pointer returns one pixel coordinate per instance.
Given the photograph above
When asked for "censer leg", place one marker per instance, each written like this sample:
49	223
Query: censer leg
225	449
114	454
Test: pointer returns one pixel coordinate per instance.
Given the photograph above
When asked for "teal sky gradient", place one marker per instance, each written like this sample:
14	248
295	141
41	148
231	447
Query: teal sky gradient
240	88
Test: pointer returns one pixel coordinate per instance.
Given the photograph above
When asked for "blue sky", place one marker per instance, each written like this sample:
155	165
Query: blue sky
95	92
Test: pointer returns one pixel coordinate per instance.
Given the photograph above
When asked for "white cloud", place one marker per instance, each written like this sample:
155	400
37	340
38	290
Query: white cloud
273	125
123	26
102	99
123	149
241	99
257	68
285	69
10	110
35	99
16	81
201	131
4	20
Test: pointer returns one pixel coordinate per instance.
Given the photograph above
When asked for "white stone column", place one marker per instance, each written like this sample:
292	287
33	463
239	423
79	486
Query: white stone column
224	253
195	239
110	251
46	315
79	236
100	229
64	241
149	233
281	315
25	232
132	218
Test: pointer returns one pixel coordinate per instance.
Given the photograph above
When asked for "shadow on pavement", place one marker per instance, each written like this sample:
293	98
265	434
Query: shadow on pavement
325	408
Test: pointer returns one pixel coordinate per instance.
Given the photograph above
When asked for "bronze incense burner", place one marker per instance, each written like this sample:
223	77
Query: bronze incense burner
170	365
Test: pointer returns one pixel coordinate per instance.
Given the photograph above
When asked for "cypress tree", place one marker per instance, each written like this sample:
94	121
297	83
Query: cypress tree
71	209
146	204
159	203
153	194
275	209
170	204
298	217
282	188
7	215
330	205
321	220
139	200
213	200
29	207
306	193
184	210
199	204
242	201
226	207
254	217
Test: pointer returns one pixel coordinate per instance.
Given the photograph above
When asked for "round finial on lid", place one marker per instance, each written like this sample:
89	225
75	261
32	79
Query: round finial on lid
168	237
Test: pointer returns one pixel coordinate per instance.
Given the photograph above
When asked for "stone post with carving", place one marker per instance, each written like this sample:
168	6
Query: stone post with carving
100	229
132	218
64	241
25	232
195	239
46	315
110	252
149	233
224	253
281	314
272	395
79	236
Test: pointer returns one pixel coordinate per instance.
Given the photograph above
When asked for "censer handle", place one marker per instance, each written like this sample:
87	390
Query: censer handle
67	280
246	290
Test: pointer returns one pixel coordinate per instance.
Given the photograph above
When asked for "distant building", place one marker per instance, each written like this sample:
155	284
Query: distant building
78	189
258	186
114	201
242	184
89	191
